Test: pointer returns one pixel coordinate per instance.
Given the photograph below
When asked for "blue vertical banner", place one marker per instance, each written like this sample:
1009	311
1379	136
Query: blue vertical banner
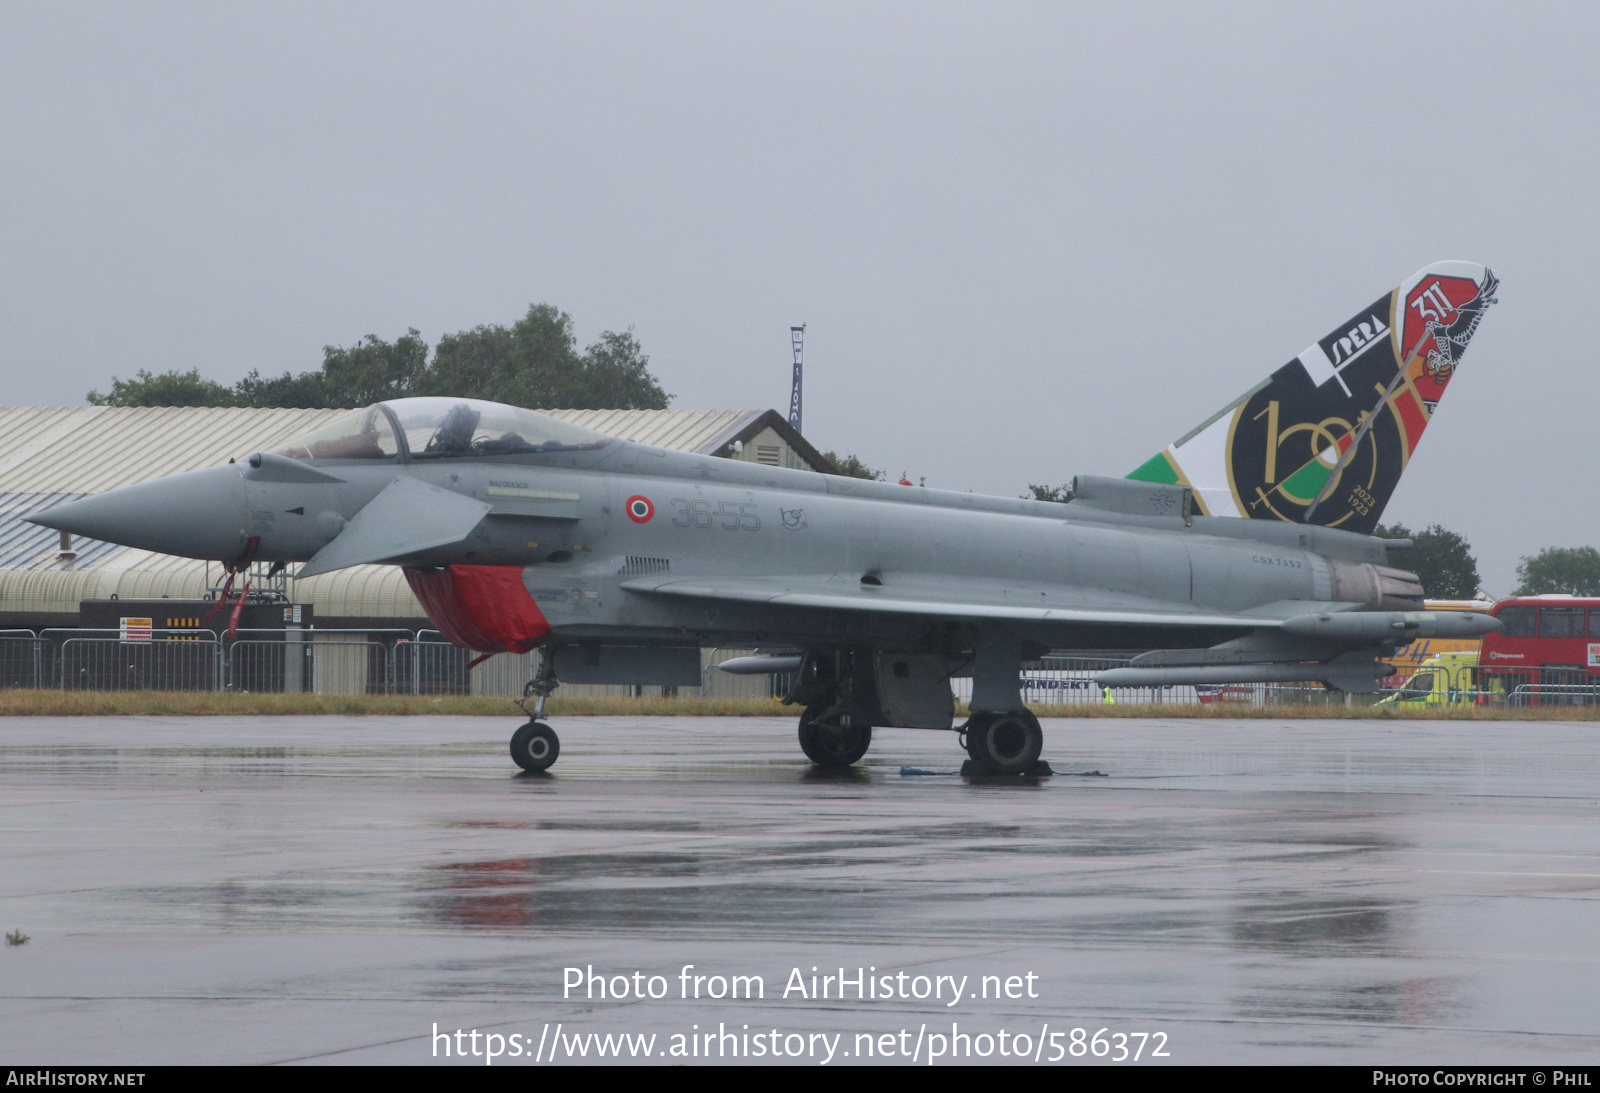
797	336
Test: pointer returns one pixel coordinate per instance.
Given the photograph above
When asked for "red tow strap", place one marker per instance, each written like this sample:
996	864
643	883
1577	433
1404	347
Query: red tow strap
238	609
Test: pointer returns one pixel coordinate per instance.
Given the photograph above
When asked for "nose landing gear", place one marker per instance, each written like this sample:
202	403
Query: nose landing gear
535	746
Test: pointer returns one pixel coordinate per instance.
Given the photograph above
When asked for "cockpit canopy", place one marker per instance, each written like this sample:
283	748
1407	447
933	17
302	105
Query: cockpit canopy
360	434
437	428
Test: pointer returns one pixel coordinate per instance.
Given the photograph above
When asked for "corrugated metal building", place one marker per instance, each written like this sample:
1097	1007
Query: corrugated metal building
49	455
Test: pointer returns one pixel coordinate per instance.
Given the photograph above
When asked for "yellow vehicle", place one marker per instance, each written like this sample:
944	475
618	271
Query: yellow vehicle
1448	678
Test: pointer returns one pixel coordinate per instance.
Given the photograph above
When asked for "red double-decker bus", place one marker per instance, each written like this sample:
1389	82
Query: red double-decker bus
1548	649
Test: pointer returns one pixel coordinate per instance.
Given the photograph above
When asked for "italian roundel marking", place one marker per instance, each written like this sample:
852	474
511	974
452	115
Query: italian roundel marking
640	509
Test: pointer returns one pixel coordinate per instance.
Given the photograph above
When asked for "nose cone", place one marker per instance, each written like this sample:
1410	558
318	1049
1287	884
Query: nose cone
200	514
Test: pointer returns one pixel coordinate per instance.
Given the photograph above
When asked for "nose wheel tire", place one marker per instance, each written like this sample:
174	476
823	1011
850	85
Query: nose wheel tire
535	746
1004	743
831	745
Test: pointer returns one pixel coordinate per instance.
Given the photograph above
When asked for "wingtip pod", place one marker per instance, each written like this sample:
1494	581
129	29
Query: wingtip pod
1325	438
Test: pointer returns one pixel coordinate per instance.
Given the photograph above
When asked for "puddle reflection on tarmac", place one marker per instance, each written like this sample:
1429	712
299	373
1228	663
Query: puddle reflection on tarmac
1334	891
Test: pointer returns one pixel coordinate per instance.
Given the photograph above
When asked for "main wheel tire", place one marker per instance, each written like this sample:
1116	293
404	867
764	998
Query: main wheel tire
1004	743
535	746
832	746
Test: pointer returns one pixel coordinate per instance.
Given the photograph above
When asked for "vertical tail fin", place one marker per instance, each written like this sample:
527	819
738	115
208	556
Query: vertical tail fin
1325	438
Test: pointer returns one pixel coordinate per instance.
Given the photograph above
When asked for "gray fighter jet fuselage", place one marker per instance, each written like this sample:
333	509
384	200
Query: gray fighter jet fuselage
1068	575
621	561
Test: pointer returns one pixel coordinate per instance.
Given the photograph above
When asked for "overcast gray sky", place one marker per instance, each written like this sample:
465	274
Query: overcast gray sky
1031	240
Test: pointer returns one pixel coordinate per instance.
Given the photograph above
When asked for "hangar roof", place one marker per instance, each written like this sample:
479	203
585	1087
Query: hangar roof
50	454
91	449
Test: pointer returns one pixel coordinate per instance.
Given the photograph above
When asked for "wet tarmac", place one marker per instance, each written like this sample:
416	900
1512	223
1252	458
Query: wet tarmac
331	889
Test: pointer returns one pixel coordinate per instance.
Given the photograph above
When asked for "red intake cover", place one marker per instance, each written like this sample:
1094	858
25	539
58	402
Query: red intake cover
482	607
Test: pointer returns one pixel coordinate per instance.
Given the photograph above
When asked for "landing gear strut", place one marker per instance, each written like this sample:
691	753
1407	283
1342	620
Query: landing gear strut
830	739
1004	743
535	746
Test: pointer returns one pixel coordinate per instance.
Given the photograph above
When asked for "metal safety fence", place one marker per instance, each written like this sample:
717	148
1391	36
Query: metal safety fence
1515	688
430	665
25	660
289	661
311	667
317	661
154	660
395	661
1069	681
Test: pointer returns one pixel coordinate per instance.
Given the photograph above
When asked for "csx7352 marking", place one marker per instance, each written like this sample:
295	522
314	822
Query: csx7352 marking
1288	563
731	515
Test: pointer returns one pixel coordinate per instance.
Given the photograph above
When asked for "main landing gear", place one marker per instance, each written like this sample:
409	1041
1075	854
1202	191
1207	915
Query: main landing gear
845	692
1004	743
535	746
830	739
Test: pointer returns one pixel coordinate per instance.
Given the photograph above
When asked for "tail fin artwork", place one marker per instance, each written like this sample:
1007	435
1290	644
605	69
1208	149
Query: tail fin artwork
1325	438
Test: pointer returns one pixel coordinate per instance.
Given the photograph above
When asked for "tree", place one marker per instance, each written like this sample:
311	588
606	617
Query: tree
851	467
534	362
172	388
1575	570
305	391
1060	494
1440	557
614	373
373	370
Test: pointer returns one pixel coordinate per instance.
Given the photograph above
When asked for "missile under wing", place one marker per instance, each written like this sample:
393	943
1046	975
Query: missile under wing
1238	553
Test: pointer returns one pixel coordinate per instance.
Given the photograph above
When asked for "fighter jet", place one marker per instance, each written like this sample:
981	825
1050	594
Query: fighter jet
1241	552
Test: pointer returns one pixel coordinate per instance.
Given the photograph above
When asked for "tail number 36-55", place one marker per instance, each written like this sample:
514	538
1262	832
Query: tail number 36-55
730	515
